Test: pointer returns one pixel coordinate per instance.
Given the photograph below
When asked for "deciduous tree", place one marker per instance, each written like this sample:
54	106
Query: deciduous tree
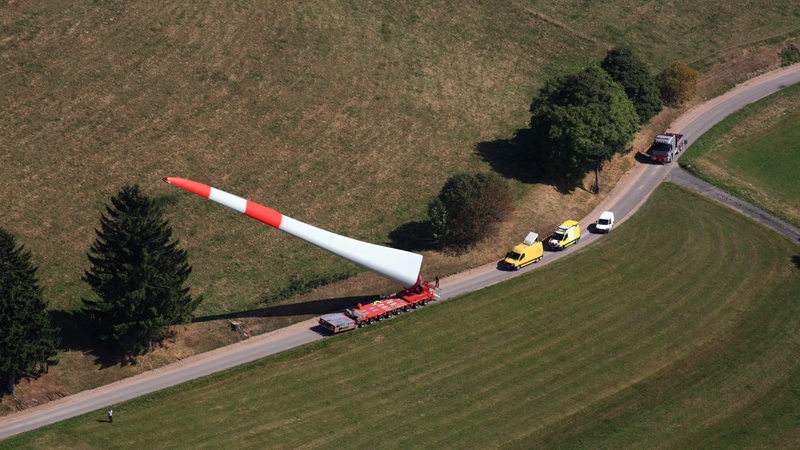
469	207
632	74
677	83
437	218
580	121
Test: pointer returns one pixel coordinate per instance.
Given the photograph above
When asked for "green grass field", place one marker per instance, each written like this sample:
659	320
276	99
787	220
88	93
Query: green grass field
755	154
679	329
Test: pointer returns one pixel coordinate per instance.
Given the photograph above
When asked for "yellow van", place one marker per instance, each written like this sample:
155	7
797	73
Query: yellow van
530	251
566	234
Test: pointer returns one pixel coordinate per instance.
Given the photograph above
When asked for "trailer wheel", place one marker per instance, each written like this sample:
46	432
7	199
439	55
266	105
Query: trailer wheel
424	302
371	321
388	314
406	308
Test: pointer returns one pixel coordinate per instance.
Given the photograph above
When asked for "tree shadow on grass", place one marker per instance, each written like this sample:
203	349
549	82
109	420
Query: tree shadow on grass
512	158
521	159
416	237
73	330
413	237
77	333
313	307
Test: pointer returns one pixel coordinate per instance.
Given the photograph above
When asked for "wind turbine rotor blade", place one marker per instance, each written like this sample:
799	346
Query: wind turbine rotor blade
398	265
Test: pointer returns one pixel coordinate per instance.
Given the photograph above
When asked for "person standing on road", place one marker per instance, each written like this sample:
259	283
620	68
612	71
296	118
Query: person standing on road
110	415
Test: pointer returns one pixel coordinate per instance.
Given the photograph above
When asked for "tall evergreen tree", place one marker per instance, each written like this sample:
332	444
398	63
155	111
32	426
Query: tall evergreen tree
27	339
632	74
138	275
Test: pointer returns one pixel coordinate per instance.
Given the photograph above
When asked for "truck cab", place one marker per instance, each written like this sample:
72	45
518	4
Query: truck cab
566	234
529	251
666	147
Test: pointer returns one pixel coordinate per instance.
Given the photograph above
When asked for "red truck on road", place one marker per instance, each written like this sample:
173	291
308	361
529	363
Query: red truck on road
363	315
666	147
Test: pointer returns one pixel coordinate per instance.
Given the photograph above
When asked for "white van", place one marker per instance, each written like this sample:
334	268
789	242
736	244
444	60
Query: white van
605	222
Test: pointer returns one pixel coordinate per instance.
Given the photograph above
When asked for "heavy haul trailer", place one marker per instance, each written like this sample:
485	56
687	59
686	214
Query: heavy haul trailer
363	315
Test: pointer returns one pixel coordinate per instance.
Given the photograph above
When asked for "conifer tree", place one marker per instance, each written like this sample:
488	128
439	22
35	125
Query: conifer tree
137	274
27	339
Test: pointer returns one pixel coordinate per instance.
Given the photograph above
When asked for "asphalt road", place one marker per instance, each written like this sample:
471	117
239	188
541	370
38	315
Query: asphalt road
624	199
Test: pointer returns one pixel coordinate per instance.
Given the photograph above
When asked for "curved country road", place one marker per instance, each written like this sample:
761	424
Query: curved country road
624	199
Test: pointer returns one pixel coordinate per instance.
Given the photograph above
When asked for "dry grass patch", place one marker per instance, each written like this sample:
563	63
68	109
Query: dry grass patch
730	67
